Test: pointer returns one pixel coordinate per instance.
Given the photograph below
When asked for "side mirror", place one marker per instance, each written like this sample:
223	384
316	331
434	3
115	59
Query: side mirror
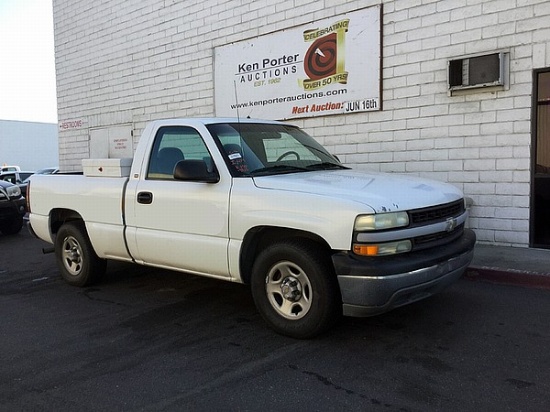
195	171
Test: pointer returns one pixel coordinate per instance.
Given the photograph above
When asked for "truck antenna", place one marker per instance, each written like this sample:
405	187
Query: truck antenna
236	100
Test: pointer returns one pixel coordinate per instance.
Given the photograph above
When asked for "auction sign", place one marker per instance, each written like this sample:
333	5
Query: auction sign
331	66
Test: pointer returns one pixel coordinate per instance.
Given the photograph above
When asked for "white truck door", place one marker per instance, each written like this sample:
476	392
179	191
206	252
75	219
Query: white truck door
179	224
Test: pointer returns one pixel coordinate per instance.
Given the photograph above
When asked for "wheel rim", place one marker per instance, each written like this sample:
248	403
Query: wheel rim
71	255
289	290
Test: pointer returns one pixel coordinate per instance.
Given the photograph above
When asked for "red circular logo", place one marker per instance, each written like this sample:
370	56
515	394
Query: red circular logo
320	59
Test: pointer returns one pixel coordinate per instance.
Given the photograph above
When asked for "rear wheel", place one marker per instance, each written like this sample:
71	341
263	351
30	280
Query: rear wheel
76	259
295	289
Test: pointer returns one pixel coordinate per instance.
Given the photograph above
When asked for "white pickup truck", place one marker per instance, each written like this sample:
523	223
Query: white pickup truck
261	203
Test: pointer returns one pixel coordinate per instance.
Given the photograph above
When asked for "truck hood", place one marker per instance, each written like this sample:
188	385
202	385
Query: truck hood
382	192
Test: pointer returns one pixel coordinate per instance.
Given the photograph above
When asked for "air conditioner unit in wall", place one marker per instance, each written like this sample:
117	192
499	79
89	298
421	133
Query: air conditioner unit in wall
477	72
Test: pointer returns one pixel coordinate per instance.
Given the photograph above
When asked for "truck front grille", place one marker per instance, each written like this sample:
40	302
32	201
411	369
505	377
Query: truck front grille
435	214
437	239
440	213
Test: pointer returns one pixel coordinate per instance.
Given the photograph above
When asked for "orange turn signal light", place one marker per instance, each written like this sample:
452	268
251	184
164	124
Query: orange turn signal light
365	250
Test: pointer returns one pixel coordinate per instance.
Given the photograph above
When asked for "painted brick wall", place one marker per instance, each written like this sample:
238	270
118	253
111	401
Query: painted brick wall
133	61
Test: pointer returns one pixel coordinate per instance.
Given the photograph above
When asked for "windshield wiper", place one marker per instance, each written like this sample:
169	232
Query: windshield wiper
326	166
278	169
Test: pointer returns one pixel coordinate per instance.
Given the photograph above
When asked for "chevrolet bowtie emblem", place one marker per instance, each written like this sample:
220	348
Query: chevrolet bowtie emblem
451	224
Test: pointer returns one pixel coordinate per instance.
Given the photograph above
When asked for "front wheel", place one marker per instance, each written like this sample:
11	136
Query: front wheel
76	259
12	227
295	289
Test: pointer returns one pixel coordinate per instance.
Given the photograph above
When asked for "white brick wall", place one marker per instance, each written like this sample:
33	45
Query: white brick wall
137	60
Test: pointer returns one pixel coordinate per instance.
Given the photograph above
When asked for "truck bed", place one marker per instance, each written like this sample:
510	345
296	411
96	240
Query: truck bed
98	200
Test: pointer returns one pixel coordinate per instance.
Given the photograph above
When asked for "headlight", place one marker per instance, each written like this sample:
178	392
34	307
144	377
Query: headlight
13	191
381	221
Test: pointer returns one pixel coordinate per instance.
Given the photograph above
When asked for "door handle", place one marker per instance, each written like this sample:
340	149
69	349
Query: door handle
145	198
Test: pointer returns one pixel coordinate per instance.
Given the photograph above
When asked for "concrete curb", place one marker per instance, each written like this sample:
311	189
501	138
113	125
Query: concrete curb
509	277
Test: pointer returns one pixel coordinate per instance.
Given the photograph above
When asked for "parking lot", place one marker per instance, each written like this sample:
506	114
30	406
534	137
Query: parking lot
152	340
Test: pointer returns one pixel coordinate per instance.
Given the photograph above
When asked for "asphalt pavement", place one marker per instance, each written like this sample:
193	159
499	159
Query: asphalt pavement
145	339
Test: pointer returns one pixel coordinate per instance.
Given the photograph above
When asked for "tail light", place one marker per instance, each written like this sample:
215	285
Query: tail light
28	197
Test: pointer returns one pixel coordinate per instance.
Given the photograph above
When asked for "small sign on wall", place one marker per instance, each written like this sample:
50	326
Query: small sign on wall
113	142
72	124
330	66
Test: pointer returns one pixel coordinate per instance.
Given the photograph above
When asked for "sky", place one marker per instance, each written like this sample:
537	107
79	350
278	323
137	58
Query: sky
27	61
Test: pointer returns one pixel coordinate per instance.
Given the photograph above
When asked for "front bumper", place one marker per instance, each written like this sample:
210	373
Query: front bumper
13	209
371	286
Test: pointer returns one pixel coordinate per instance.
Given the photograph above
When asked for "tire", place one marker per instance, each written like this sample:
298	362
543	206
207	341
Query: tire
76	259
295	289
12	227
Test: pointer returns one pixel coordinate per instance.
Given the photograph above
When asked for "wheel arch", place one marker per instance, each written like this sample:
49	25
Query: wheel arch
258	238
60	216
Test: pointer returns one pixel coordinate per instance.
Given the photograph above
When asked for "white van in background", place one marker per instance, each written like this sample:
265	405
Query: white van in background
6	168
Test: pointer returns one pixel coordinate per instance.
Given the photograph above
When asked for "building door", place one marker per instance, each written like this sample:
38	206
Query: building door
540	186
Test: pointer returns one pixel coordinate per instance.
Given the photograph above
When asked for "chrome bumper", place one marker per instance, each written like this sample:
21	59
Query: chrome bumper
365	294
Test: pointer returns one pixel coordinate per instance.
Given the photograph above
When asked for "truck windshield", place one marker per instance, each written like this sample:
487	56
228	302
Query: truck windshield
255	149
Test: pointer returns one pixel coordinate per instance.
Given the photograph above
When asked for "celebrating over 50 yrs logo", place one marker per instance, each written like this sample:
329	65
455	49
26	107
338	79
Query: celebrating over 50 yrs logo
324	61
